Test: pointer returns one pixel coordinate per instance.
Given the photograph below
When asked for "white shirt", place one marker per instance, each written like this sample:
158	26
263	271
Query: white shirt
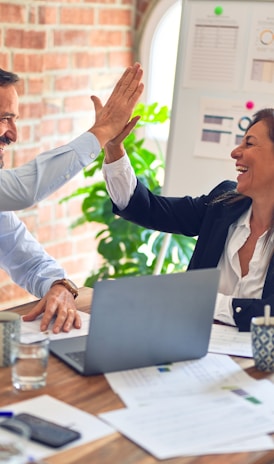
121	182
28	184
21	256
232	284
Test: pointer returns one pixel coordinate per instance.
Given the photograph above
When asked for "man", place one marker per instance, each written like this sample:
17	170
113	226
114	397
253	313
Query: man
21	256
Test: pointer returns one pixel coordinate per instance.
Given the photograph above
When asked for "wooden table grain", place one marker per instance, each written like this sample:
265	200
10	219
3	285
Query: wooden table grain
93	395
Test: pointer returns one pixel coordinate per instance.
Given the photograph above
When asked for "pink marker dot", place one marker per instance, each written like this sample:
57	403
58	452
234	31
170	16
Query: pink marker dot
249	105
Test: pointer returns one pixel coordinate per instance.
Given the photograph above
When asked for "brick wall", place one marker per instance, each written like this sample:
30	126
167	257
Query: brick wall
63	50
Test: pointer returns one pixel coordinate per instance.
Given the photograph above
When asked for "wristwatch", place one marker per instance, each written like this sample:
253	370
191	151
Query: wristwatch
70	286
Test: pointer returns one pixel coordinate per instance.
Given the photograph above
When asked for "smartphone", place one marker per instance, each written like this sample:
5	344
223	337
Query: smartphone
41	430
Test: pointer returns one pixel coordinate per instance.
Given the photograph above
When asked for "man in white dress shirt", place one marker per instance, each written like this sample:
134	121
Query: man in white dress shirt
21	256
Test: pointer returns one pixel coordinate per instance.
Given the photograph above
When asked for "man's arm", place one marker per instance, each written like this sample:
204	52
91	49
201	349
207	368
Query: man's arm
28	264
26	185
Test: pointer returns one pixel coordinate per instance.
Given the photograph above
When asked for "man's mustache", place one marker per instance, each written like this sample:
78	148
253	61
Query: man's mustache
5	140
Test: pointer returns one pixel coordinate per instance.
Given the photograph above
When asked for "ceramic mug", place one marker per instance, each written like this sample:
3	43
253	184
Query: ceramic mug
262	339
9	327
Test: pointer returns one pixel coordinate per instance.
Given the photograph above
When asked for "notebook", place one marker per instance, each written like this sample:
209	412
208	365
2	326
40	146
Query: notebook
144	320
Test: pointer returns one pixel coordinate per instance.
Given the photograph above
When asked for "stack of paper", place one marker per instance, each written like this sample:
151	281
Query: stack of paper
204	406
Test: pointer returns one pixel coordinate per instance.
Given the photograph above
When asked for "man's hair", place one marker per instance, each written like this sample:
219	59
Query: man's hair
7	78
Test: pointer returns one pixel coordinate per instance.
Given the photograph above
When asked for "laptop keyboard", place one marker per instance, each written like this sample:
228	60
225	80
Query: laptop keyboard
77	356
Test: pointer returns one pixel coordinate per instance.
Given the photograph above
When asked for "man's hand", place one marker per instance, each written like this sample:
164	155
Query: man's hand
113	118
57	302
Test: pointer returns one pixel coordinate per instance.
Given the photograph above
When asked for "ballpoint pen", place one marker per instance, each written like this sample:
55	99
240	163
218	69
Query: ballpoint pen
6	414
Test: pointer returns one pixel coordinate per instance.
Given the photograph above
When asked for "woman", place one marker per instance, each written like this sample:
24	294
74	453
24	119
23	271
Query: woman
234	222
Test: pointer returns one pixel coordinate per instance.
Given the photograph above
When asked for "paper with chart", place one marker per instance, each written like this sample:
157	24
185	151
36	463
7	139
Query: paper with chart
259	69
212	373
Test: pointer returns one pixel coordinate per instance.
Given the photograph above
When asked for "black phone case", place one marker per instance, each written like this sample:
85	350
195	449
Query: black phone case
42	431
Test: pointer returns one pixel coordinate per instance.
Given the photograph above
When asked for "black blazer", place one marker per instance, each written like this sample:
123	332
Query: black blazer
210	222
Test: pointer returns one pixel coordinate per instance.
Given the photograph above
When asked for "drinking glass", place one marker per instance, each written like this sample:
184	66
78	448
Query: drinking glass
29	362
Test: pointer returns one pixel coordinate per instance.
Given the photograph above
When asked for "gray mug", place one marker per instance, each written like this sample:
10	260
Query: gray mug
262	339
9	327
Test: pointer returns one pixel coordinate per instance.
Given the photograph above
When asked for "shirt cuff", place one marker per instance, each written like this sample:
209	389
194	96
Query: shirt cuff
87	147
223	311
120	181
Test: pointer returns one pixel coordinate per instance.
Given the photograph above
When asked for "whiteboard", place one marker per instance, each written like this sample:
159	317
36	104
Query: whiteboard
224	74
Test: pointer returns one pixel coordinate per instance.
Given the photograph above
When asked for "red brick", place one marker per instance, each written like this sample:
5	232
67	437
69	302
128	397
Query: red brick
90	60
71	82
115	17
47	126
105	38
26	62
18	38
121	58
24	133
45	211
64	125
53	61
71	38
12	13
82	16
52	105
23	155
59	250
35	85
47	15
51	233
74	103
4	60
31	110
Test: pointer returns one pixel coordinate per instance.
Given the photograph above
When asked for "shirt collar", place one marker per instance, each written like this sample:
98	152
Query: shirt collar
244	222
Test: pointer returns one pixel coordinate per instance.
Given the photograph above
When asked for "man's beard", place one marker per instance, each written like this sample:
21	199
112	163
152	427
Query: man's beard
6	141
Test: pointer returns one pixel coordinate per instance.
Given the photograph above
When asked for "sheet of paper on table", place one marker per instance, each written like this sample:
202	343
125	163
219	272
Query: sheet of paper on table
213	372
47	407
228	340
31	330
210	423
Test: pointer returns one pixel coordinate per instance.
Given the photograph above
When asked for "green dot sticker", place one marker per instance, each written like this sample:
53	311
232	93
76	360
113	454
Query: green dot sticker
218	10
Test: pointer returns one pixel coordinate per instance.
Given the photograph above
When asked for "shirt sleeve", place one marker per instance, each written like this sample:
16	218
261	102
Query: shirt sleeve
223	311
24	259
120	181
28	184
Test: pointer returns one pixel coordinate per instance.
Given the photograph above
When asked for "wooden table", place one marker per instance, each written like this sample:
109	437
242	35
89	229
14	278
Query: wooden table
93	394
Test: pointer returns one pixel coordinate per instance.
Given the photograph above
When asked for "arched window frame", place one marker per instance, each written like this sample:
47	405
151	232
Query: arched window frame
161	63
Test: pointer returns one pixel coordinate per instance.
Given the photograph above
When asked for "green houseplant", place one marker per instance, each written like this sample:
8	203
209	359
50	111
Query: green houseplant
125	248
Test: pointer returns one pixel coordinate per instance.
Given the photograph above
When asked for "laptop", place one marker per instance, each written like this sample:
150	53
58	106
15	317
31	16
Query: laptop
143	321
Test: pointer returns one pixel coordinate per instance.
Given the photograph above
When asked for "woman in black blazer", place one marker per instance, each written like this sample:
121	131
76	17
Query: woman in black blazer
234	223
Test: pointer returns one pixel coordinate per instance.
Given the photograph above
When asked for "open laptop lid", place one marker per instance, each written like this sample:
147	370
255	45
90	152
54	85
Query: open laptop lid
147	320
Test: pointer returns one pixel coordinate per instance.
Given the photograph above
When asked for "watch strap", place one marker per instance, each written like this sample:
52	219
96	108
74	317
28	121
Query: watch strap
70	286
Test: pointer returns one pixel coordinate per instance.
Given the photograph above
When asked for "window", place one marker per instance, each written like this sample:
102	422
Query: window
158	52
